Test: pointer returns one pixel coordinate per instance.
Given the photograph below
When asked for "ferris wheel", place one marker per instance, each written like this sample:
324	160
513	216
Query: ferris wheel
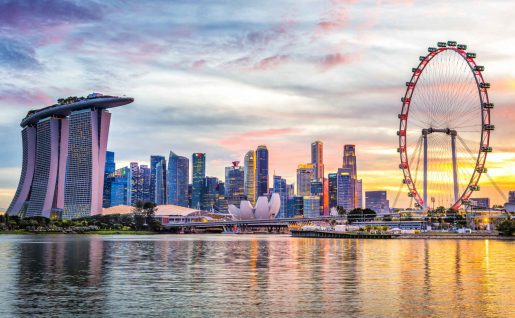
444	130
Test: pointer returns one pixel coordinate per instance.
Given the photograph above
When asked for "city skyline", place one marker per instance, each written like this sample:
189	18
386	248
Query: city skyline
253	53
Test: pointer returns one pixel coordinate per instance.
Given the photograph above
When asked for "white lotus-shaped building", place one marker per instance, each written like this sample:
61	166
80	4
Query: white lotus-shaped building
263	209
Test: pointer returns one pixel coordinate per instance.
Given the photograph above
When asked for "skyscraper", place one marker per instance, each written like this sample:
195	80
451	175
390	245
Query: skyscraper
317	159
64	149
311	206
377	201
333	190
349	162
359	192
261	170
209	196
145	182
280	187
177	181
249	169
158	179
121	186
317	189
136	183
234	184
110	167
305	174
345	189
198	161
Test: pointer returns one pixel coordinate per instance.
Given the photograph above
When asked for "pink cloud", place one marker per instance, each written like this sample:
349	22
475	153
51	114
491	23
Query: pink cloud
271	62
199	63
330	61
31	99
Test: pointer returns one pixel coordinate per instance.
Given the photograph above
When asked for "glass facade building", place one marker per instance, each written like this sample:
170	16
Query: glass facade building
333	190
305	175
198	161
178	180
280	188
110	167
311	206
158	179
378	202
345	189
249	169
317	159
261	171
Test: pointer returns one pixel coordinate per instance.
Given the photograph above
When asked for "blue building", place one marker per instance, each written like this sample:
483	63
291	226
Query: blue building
209	194
145	182
311	206
261	171
110	167
158	179
234	184
178	177
345	188
295	206
317	189
281	188
198	161
121	183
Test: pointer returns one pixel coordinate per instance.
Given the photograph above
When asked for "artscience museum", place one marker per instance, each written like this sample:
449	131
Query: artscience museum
264	209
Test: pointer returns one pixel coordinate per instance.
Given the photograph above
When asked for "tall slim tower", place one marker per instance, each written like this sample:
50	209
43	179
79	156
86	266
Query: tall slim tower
317	158
305	175
249	169
198	161
158	179
261	170
349	163
64	157
178	179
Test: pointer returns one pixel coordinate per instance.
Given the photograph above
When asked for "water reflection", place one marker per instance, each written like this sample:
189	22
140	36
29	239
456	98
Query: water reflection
275	276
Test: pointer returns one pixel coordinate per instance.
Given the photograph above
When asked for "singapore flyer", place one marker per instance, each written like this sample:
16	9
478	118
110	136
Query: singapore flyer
444	130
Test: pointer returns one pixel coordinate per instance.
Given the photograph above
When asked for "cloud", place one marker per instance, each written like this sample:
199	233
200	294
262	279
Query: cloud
17	55
271	62
27	16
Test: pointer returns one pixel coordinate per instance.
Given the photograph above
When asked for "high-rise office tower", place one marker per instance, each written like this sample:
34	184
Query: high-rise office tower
209	196
234	184
198	162
317	158
249	170
281	188
178	180
349	162
333	190
158	179
121	184
311	206
261	171
145	182
377	201
305	174
64	154
110	167
359	192
295	206
136	183
345	189
317	189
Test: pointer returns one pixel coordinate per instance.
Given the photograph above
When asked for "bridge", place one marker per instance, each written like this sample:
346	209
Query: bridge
279	225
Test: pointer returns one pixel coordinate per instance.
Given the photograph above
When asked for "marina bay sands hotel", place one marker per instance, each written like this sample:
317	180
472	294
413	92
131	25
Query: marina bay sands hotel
64	153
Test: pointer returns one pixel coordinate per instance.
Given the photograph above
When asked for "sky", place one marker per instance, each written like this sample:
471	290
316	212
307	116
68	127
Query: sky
223	77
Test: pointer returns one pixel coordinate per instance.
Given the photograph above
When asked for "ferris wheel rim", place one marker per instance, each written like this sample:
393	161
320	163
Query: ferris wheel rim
484	148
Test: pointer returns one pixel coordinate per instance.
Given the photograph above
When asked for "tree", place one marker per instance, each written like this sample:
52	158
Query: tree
341	211
144	213
506	227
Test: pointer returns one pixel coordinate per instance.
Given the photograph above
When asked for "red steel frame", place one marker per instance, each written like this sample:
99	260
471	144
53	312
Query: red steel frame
485	134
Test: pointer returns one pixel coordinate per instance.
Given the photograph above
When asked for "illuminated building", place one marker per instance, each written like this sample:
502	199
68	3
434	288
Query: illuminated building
249	169
305	174
261	170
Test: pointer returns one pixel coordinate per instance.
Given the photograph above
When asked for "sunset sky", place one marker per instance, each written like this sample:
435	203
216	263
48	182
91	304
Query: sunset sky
222	77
